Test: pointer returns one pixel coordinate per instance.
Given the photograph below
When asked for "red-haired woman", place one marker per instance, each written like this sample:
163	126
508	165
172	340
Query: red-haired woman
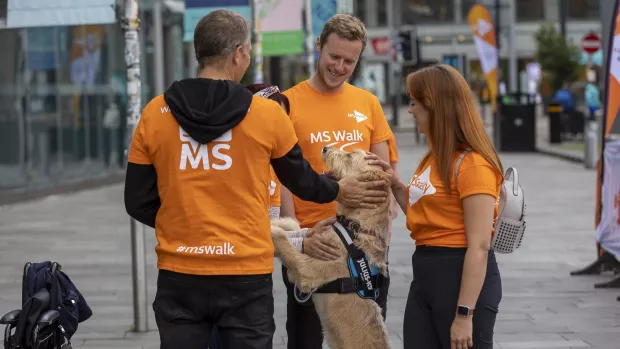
456	289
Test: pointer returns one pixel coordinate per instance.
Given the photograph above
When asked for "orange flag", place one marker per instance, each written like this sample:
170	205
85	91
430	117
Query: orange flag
482	28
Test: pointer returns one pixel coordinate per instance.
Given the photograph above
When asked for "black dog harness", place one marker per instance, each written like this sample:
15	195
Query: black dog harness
365	279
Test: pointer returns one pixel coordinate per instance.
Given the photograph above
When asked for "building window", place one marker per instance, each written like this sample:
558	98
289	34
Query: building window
530	10
3	10
359	9
583	9
427	11
466	6
382	13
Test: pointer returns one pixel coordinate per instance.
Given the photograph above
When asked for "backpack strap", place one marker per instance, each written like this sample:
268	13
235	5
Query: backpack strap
515	176
458	162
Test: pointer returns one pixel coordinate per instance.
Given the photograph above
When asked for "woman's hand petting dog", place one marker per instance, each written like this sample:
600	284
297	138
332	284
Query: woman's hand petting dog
361	191
318	245
387	168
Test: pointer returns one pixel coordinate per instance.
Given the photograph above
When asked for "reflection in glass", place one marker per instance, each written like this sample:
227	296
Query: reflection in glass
61	105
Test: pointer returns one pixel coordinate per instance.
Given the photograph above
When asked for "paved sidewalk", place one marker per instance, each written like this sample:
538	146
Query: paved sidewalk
542	307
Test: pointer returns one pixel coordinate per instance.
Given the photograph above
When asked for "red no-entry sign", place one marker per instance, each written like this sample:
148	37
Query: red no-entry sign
590	43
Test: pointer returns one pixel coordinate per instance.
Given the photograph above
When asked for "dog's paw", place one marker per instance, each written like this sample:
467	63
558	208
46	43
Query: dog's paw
287	224
278	234
294	277
305	288
302	284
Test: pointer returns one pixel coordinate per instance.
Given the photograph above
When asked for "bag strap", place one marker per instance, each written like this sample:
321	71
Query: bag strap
458	162
515	176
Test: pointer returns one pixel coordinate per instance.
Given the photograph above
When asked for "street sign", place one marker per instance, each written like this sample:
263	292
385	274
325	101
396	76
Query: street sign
590	43
381	45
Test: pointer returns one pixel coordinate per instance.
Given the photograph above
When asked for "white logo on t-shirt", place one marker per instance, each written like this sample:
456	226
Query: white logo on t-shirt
359	117
339	138
420	186
193	153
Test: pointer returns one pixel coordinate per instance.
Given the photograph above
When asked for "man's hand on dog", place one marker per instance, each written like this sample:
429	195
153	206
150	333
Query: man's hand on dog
361	191
318	245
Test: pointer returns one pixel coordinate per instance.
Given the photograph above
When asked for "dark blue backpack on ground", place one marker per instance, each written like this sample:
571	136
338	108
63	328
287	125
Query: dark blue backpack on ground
51	308
71	304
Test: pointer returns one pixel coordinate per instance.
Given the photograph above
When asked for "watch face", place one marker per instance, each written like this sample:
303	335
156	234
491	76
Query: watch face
463	311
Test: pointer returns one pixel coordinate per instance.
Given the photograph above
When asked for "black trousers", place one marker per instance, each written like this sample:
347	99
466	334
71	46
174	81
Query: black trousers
188	306
303	326
433	297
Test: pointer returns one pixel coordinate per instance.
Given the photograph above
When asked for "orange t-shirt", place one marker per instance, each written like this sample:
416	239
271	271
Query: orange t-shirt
434	216
351	119
214	216
393	148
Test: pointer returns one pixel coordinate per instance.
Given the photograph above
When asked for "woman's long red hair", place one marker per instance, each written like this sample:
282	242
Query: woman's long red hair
453	118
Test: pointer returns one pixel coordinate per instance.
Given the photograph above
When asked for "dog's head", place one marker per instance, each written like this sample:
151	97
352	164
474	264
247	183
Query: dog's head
344	164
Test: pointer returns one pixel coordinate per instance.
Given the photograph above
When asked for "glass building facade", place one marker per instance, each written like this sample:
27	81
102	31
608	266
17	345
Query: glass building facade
63	101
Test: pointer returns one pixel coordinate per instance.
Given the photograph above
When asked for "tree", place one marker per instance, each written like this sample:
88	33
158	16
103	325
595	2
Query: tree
558	58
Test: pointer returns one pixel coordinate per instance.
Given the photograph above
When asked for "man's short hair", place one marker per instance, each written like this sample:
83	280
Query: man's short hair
345	26
218	34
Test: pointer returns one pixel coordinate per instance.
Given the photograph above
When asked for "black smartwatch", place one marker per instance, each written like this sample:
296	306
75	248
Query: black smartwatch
464	311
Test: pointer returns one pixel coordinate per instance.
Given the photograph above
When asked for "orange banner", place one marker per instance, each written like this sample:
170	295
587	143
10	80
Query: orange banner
482	28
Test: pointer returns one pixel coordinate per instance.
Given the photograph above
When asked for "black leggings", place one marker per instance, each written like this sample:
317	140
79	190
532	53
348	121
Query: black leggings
433	297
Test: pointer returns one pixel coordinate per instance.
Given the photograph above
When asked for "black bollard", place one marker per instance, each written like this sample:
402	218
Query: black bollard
554	112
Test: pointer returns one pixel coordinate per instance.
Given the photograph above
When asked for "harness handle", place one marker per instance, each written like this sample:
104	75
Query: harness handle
297	294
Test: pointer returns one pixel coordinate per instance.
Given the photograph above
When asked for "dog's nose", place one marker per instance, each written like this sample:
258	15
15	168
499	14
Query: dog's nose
325	149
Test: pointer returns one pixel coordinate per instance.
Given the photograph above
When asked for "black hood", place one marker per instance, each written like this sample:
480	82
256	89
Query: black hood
207	108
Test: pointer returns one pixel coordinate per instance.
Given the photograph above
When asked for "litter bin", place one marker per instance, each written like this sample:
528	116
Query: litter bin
515	126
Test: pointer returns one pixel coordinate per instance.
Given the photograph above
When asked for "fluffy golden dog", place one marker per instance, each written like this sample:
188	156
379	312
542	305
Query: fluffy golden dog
349	322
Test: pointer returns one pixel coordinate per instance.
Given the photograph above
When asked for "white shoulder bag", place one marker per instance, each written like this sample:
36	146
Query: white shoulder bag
510	223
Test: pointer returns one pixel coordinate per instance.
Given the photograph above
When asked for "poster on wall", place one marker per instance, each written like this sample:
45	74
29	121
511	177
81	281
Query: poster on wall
85	62
322	10
373	80
282	28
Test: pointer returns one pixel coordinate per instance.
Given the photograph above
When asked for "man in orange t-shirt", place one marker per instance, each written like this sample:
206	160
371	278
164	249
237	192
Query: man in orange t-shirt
198	172
328	111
